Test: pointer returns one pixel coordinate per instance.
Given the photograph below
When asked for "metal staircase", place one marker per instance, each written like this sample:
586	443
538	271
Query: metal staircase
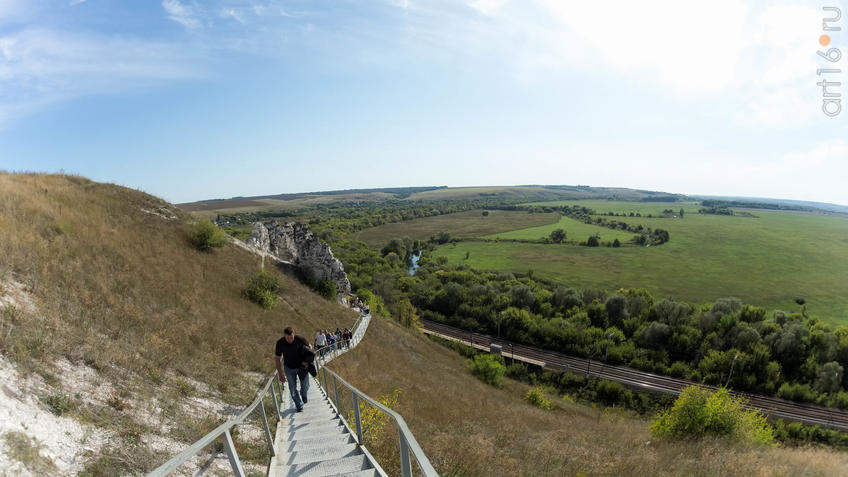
317	443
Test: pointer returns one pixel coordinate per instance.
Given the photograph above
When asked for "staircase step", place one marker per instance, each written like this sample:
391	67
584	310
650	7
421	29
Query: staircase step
298	419
310	409
309	433
322	469
327	452
283	447
311	426
360	473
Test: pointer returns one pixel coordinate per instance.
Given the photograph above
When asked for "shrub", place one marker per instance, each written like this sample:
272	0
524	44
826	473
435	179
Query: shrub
328	289
698	412
536	396
489	368
797	392
517	371
262	288
205	235
59	403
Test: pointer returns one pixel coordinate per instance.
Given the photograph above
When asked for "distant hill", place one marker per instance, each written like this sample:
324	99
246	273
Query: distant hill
519	193
784	203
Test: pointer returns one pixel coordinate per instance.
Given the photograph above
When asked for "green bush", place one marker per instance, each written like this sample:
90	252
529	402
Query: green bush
536	396
328	289
489	368
517	370
797	392
262	289
59	403
699	412
205	235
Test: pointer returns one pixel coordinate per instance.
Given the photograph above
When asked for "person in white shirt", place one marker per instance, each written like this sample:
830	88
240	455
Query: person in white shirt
320	340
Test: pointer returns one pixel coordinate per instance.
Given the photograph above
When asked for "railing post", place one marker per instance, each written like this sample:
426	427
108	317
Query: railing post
357	417
274	396
325	380
405	463
230	448
336	391
267	429
283	400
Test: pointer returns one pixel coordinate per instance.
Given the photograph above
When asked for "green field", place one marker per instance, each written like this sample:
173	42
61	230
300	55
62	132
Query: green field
767	261
462	224
577	232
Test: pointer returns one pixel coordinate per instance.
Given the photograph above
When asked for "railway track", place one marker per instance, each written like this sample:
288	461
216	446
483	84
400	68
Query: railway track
775	407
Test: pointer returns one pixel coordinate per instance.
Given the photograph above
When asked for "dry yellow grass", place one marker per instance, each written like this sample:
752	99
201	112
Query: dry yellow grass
468	428
117	286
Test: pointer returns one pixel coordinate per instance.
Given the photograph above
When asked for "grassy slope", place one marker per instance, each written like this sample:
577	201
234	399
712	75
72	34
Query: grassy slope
468	428
463	224
767	261
123	291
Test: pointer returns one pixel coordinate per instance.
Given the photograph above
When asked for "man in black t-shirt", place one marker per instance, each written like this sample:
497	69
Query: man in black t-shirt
290	347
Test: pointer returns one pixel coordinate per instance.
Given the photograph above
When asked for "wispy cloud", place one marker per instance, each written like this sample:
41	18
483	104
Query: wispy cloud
186	15
39	67
233	14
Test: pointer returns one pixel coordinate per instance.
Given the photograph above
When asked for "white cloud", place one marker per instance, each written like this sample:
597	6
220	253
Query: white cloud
76	2
487	7
39	67
233	13
691	47
182	14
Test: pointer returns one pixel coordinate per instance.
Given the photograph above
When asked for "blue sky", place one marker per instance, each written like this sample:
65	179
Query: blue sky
192	100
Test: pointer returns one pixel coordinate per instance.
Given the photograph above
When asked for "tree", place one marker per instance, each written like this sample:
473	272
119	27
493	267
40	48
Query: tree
485	213
681	212
829	379
593	241
616	243
406	314
557	236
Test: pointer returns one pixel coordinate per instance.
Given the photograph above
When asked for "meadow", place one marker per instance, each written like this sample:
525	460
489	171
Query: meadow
462	224
576	232
769	261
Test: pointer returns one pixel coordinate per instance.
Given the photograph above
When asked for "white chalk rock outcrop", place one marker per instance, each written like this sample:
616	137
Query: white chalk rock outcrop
296	244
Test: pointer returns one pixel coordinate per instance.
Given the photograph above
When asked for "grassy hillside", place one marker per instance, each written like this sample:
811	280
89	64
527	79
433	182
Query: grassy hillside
118	288
468	428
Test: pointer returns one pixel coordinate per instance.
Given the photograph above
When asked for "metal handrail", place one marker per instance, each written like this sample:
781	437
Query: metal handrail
407	440
223	431
273	386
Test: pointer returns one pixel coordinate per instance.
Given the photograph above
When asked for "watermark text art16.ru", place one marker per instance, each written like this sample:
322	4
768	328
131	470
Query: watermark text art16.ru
831	90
